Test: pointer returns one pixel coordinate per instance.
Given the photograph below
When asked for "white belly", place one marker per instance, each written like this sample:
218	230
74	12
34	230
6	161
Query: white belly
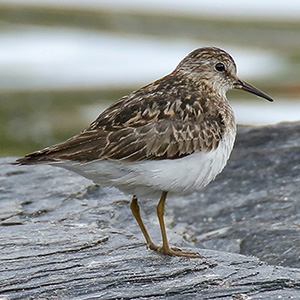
184	175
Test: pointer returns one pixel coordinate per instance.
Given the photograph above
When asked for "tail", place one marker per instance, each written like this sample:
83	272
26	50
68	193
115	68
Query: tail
37	157
83	147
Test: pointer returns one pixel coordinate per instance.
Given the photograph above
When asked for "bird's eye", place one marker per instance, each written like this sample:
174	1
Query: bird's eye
220	67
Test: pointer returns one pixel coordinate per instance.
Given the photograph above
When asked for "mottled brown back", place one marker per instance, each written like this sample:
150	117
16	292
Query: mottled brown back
172	117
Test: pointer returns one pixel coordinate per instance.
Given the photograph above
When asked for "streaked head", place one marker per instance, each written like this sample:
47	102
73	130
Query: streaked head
216	69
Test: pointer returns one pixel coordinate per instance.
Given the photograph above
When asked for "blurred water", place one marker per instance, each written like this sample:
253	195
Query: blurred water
248	8
40	57
261	112
46	57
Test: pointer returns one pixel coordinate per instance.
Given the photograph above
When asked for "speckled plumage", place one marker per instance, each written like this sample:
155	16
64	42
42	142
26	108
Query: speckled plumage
174	134
170	118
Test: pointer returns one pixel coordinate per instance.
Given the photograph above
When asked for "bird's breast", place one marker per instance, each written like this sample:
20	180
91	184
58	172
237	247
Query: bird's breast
183	175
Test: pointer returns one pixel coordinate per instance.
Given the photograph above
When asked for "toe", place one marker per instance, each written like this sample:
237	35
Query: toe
178	252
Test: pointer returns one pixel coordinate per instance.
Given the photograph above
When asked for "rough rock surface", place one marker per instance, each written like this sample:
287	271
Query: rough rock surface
62	237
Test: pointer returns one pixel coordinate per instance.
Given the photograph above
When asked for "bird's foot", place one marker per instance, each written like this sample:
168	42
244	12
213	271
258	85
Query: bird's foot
173	251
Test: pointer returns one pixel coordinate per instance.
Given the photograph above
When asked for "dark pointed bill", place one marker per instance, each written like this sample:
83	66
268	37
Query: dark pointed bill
242	85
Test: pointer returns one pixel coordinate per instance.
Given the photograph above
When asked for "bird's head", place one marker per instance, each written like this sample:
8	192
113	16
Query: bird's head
215	69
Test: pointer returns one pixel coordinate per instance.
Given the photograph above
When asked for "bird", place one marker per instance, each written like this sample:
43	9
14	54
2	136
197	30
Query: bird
174	134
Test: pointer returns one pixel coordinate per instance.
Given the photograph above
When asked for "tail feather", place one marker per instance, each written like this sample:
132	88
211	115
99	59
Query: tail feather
81	148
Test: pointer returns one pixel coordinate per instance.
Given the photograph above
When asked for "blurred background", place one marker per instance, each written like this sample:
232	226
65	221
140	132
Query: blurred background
63	61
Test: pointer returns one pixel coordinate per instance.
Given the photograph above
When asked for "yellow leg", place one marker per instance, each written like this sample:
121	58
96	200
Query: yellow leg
165	248
160	209
135	209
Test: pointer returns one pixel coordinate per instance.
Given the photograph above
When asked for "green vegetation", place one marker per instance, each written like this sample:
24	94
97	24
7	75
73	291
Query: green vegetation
30	120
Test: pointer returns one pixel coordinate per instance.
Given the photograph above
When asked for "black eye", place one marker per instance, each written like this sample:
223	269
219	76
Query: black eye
220	67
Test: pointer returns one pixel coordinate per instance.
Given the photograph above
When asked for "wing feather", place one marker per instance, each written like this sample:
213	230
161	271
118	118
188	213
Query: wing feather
148	124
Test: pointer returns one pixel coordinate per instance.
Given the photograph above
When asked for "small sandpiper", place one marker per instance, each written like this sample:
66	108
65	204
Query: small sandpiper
172	135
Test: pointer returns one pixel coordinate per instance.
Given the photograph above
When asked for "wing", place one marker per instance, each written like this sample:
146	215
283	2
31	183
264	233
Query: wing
157	121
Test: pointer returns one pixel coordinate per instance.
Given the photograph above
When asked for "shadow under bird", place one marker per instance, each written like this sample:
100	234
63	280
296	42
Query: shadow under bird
172	135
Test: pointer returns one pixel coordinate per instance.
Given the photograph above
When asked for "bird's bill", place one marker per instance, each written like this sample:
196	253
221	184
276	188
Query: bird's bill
242	85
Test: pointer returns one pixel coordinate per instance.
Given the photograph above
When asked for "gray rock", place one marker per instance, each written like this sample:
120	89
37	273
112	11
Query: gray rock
62	237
